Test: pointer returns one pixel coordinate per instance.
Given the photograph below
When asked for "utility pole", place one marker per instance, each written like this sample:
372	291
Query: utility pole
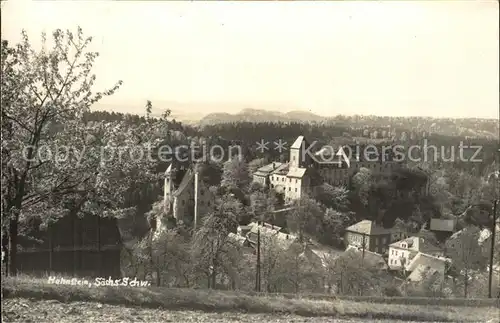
257	274
363	251
492	251
195	197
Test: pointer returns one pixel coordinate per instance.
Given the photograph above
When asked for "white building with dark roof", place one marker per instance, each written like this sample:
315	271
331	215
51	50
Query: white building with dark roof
291	179
402	252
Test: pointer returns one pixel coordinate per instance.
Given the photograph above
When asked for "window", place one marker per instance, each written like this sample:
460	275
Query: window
296	181
282	179
208	203
183	202
202	192
293	158
289	180
272	185
295	189
289	189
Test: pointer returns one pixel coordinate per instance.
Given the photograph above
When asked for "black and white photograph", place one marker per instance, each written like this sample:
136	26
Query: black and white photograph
250	161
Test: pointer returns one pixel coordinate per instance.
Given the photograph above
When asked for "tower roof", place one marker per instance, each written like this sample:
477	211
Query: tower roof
169	170
297	143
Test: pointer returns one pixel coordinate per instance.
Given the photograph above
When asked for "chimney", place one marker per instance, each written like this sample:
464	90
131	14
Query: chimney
274	165
287	236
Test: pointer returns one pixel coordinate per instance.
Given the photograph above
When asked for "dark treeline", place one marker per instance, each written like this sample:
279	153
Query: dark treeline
133	119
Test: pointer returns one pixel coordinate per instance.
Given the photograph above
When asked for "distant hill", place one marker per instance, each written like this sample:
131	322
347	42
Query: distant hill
257	115
200	113
304	115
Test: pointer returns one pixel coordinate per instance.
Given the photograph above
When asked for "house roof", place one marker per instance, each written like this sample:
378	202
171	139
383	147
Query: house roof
296	172
325	151
281	170
418	244
443	224
368	227
482	235
267	169
485	234
312	257
326	155
186	180
240	240
298	142
270	231
371	258
325	254
421	272
426	260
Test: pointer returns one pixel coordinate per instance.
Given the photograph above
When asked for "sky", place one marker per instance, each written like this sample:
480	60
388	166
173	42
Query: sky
408	58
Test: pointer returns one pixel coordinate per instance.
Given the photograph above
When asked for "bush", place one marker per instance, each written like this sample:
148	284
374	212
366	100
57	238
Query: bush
392	291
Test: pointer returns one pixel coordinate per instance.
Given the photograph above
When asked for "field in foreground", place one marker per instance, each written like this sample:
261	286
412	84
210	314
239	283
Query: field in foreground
67	303
25	310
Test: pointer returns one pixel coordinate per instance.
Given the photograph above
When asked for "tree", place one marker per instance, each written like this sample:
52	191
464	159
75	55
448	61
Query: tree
466	254
255	164
166	255
300	270
306	217
271	261
166	114
334	225
361	182
333	197
44	93
212	247
262	204
149	108
235	174
350	276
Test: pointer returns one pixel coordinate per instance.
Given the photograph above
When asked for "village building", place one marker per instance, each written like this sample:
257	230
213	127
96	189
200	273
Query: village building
443	225
313	253
189	199
369	236
371	259
424	265
402	252
306	167
267	232
292	179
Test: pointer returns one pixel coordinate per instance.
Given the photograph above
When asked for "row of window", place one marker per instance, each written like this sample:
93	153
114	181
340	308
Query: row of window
394	252
394	262
283	179
289	188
